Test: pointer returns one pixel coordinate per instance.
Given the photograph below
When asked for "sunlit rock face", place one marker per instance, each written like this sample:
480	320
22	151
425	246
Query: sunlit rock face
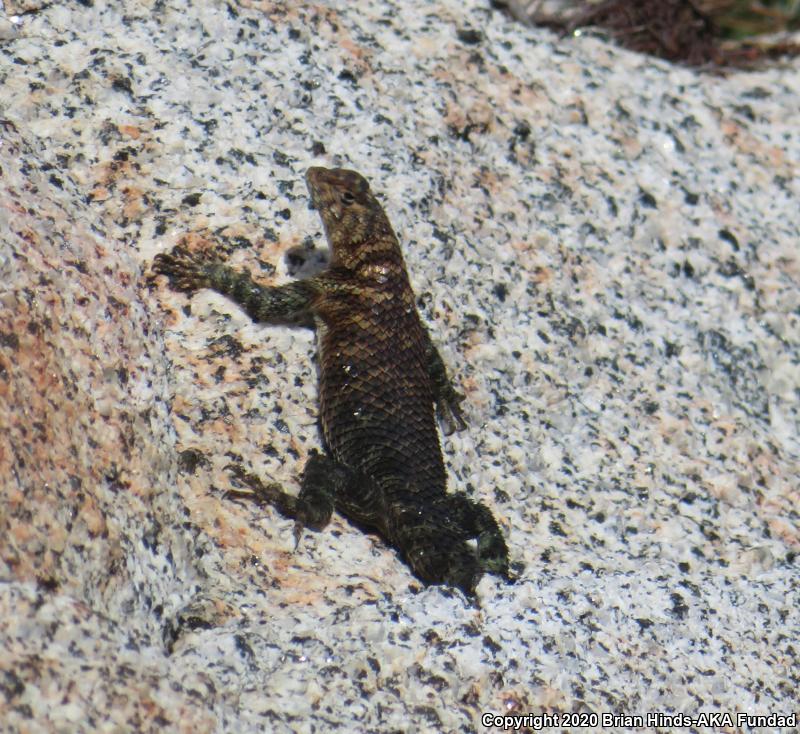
605	249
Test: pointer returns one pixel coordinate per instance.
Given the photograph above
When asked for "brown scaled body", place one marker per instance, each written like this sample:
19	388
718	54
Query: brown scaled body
381	383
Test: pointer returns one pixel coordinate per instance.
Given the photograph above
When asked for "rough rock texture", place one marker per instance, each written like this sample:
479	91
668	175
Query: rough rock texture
605	247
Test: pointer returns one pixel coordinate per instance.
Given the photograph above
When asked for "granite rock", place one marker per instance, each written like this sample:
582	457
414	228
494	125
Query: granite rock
605	246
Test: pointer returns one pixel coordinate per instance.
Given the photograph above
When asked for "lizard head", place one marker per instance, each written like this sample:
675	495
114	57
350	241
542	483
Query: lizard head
350	212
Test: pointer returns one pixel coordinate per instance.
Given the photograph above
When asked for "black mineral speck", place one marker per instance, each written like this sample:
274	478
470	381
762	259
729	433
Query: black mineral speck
647	199
189	460
679	608
11	685
725	235
671	349
522	130
122	84
9	339
191	200
243	647
469	36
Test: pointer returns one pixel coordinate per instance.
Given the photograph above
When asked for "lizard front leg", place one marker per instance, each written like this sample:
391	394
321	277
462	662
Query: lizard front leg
190	271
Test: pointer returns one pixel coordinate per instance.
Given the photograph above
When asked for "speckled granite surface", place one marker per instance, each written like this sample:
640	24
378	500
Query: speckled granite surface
606	247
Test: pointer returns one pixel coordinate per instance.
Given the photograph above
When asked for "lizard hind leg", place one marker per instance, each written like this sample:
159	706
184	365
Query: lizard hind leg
434	543
440	555
312	508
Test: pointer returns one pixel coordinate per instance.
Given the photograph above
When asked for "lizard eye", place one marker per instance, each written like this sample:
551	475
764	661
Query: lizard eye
348	197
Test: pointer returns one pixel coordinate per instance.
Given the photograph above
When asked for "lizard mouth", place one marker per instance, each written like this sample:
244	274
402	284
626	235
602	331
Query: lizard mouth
314	182
314	201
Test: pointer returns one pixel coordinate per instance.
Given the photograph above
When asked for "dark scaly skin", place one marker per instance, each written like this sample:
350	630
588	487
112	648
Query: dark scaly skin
380	379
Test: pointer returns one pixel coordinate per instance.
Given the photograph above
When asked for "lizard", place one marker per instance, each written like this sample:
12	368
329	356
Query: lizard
382	384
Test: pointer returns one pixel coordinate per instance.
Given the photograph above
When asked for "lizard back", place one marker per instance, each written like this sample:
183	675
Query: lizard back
376	398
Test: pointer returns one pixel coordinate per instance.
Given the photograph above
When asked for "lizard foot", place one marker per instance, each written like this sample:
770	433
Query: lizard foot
259	492
272	494
514	572
187	271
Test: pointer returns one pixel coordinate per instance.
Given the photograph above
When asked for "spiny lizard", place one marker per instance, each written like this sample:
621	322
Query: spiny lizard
380	378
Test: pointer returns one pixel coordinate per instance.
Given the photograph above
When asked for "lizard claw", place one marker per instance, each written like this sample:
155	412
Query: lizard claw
187	271
298	534
448	410
257	491
514	572
238	473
